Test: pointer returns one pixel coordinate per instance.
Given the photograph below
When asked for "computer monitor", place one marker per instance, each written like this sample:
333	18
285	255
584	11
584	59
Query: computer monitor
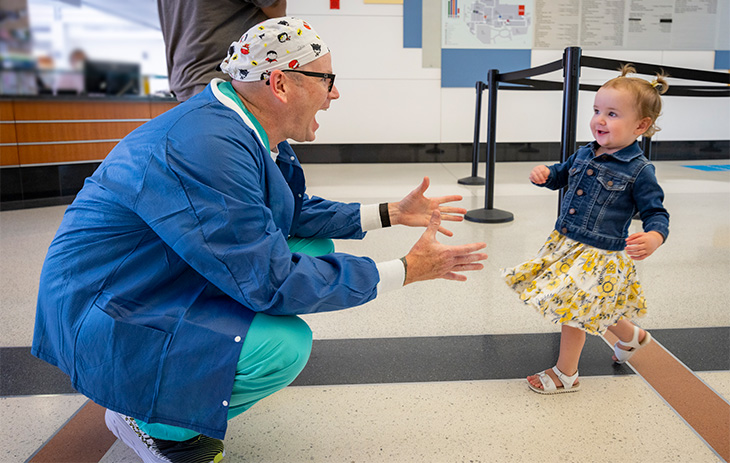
111	78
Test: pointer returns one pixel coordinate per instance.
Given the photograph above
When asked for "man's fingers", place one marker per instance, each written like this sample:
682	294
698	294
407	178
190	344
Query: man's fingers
452	218
468	249
454	212
448	199
433	225
454	276
424	185
468	267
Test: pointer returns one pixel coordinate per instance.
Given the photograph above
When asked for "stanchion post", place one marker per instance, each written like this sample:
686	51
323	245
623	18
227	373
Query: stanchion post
646	146
474	179
489	214
571	85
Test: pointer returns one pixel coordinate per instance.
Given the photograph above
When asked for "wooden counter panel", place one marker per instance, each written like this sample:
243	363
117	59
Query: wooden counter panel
9	156
7	133
73	131
41	154
6	111
48	110
158	108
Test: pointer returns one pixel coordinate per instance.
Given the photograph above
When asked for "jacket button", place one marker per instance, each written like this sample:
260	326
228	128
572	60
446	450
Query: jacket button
564	230
589	172
579	192
238	339
609	183
292	158
571	211
225	403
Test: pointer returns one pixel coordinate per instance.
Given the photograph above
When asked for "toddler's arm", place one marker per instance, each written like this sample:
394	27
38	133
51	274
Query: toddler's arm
539	175
641	245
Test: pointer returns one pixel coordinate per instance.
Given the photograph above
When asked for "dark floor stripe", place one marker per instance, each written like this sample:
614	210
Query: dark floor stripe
439	358
700	407
85	437
24	374
455	358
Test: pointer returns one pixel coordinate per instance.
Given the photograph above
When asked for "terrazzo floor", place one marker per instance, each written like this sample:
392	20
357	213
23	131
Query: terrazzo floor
434	372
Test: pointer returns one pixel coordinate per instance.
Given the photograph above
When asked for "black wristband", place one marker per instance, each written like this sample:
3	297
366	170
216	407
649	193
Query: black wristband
384	215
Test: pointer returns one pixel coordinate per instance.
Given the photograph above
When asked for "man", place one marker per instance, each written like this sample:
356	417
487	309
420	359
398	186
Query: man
195	32
171	289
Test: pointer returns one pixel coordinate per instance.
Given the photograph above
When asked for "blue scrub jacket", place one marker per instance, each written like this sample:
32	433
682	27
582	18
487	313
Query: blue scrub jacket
167	253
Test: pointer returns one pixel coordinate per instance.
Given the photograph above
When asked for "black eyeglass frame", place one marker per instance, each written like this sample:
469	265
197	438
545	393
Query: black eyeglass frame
322	75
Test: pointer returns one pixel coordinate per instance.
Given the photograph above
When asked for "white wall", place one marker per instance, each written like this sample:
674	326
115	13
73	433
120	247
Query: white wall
388	97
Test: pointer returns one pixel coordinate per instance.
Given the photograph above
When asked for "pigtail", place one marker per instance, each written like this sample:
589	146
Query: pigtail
660	83
627	69
647	93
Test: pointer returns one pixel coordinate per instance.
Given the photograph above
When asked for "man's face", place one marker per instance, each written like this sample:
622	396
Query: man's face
311	96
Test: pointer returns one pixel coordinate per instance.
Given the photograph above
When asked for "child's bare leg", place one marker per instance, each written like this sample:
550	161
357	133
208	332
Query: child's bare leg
571	346
624	330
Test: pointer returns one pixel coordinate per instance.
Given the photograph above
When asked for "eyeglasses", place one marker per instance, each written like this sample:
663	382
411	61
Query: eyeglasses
322	75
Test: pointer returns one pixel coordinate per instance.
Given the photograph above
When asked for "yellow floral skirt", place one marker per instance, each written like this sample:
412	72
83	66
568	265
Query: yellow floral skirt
571	283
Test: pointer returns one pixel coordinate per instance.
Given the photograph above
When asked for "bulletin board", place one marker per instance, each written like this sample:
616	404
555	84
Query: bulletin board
504	32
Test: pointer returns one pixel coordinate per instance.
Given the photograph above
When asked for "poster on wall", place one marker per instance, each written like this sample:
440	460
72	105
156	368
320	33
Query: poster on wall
627	24
503	24
589	24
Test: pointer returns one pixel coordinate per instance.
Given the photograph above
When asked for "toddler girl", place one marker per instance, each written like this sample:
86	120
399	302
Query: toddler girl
583	277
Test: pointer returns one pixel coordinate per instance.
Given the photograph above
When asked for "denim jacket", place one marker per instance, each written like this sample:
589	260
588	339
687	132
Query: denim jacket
603	195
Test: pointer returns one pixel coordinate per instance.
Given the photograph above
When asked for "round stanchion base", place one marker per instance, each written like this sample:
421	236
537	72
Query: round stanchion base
489	216
471	181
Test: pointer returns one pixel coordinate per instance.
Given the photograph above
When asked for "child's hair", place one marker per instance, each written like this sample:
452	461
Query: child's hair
648	101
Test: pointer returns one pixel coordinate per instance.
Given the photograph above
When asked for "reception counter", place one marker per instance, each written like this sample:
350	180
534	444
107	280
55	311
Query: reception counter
49	145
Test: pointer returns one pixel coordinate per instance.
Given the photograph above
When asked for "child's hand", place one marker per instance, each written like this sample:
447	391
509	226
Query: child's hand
639	246
539	175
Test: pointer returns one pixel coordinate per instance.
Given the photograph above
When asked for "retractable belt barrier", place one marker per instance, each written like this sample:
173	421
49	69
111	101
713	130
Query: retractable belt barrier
570	64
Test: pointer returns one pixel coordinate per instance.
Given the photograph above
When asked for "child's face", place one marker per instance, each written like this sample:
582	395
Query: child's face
616	123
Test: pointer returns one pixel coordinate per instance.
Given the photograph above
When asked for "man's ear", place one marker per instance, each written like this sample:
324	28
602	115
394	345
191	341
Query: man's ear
279	85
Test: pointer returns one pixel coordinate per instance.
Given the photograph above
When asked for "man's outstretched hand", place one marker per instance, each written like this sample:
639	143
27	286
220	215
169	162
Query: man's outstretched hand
428	259
415	210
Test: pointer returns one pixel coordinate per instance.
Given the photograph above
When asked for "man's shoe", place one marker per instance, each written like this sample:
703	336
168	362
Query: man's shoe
199	449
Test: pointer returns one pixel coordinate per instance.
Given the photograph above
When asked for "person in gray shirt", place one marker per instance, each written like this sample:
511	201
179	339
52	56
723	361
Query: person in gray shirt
195	31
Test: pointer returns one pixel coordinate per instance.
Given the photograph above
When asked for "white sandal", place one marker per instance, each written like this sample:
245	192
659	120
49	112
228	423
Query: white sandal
623	355
549	387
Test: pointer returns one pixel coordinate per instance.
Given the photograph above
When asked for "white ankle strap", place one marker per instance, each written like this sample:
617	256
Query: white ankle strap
567	381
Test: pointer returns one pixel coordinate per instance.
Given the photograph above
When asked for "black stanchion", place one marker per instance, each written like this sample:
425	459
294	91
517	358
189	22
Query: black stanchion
489	214
571	85
571	64
646	147
474	179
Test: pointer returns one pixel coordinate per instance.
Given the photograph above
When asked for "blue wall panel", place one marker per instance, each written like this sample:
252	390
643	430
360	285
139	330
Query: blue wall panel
412	23
464	67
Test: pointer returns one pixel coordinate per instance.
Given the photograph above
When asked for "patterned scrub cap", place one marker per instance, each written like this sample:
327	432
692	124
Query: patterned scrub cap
277	43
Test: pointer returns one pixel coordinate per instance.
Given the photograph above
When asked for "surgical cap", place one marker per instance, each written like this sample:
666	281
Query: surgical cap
277	43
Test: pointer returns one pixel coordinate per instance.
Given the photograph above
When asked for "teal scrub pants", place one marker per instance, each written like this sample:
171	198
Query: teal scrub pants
274	352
